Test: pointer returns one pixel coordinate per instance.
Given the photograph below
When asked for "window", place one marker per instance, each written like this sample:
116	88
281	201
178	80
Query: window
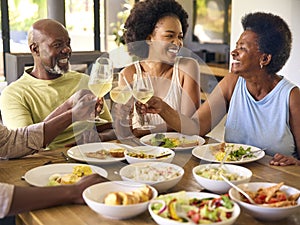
212	21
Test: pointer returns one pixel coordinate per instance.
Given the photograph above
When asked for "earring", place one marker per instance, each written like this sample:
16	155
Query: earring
261	65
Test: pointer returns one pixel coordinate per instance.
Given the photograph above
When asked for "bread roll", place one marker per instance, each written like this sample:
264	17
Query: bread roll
127	198
148	191
117	152
113	199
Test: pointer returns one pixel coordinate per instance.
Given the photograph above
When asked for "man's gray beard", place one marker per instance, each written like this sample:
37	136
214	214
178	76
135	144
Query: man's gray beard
57	70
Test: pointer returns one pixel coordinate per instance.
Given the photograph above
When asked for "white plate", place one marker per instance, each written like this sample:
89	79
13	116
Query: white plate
39	176
145	140
199	195
205	153
78	152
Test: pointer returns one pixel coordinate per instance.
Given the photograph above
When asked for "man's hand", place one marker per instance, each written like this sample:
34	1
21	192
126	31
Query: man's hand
84	107
77	96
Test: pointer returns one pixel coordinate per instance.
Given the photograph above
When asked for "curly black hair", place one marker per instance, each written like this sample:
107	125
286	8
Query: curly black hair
142	20
274	37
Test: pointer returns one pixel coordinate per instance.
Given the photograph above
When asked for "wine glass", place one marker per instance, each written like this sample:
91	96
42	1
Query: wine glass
121	93
142	91
100	82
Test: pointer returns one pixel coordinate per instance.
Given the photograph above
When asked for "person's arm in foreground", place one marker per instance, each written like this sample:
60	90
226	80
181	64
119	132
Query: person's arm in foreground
283	160
32	198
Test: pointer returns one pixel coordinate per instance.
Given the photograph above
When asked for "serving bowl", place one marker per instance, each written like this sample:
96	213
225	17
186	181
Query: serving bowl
235	173
149	154
94	197
162	176
264	212
161	220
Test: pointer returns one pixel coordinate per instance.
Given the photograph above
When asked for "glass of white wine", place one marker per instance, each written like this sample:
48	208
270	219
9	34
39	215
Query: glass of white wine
142	91
100	82
121	93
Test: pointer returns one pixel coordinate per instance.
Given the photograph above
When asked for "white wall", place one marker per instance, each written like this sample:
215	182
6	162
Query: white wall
289	11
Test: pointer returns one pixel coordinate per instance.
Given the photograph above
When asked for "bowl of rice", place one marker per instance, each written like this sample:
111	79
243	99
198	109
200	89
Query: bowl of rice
162	176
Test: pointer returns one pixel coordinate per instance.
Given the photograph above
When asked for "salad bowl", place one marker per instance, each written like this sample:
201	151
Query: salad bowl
177	209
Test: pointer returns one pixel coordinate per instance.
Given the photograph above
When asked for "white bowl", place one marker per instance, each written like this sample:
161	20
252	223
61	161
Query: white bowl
220	186
95	194
200	195
148	169
149	150
263	212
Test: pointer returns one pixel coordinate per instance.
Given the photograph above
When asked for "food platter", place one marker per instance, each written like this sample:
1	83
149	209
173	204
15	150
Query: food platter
79	152
177	141
208	153
39	176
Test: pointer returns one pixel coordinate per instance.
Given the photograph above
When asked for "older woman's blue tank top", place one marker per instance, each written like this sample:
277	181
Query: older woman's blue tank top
263	123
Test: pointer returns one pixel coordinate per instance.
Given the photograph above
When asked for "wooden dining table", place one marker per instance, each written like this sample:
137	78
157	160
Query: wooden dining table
12	172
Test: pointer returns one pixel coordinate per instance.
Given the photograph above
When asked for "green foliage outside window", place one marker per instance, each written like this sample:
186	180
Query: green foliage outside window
118	27
17	23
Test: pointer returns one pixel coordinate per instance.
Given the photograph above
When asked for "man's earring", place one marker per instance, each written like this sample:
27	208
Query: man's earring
261	65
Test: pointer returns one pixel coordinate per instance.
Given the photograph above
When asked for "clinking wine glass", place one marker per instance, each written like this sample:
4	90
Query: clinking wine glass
143	91
100	82
121	94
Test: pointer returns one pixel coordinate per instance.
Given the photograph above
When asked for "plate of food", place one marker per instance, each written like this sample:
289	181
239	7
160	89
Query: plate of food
193	208
173	140
98	153
60	174
234	153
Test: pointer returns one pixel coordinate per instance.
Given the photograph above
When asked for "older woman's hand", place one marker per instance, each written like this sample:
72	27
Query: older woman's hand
283	160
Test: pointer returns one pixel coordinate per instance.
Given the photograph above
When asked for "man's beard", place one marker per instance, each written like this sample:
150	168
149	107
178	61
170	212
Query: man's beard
58	70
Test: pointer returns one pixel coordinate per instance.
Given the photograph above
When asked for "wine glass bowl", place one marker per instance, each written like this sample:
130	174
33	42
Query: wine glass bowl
121	94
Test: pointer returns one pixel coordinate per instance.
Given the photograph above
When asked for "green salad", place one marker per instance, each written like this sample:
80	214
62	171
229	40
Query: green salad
163	141
238	153
178	206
